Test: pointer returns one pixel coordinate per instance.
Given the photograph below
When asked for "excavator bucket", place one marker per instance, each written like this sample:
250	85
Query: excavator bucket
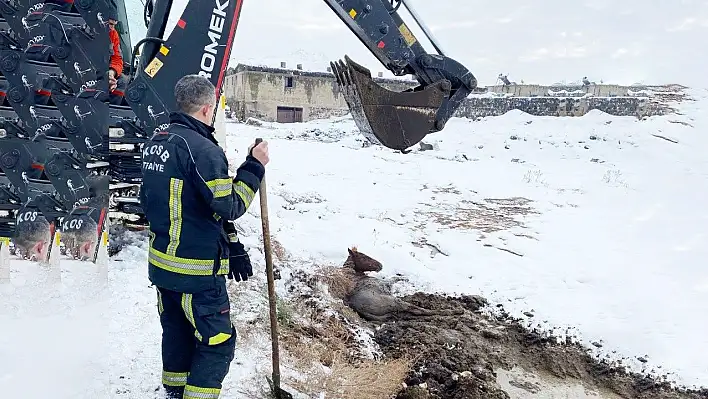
396	120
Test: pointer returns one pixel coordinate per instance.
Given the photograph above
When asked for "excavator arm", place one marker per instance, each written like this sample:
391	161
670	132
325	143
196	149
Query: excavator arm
398	120
201	42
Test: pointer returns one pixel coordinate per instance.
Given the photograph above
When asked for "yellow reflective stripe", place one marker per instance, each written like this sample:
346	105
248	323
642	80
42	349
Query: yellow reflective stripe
184	261
193	271
222	193
175	204
173	379
244	192
217	217
218	182
192	267
192	392
160	307
220	187
187	307
233	237
219	338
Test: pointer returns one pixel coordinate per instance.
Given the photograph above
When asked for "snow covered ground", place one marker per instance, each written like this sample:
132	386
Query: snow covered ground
615	250
54	336
610	245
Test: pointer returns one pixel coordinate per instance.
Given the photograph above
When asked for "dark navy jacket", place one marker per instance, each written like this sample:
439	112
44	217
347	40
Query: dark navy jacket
187	195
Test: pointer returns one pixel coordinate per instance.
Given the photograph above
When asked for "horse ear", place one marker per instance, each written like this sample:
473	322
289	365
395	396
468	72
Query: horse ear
350	251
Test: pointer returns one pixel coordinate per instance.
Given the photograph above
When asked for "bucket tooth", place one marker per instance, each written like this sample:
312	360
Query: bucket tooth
396	120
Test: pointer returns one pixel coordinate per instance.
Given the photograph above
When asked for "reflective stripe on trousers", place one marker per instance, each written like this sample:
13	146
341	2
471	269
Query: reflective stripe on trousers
160	305
173	379
187	307
192	392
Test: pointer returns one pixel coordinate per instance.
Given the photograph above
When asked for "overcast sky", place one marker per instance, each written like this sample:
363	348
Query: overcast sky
618	41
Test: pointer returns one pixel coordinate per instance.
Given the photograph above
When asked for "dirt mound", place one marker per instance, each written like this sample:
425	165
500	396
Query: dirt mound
444	347
460	357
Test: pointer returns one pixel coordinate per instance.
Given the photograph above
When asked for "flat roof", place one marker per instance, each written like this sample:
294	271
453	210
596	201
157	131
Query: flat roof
311	74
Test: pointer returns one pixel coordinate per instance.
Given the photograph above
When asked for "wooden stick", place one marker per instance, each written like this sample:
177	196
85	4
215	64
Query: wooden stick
271	281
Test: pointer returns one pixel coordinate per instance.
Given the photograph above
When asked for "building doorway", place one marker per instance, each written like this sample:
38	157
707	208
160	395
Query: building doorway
289	115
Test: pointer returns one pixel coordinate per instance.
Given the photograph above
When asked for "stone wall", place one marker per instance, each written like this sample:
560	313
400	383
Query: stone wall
476	107
601	90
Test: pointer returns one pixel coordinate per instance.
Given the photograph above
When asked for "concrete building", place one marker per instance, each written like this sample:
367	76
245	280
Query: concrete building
293	95
289	95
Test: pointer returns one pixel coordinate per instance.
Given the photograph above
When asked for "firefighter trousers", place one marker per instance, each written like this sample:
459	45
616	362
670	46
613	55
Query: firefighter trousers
198	341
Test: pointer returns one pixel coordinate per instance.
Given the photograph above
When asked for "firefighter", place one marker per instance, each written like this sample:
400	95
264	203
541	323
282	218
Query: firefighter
116	80
189	200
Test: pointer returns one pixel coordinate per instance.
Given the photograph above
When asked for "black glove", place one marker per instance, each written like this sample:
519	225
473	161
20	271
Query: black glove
239	263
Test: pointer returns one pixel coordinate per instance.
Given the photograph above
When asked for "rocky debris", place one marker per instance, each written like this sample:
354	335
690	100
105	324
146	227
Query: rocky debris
323	135
427	147
120	236
253	122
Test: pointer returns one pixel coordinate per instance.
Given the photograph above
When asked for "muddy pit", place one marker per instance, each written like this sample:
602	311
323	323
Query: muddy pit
478	356
460	351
